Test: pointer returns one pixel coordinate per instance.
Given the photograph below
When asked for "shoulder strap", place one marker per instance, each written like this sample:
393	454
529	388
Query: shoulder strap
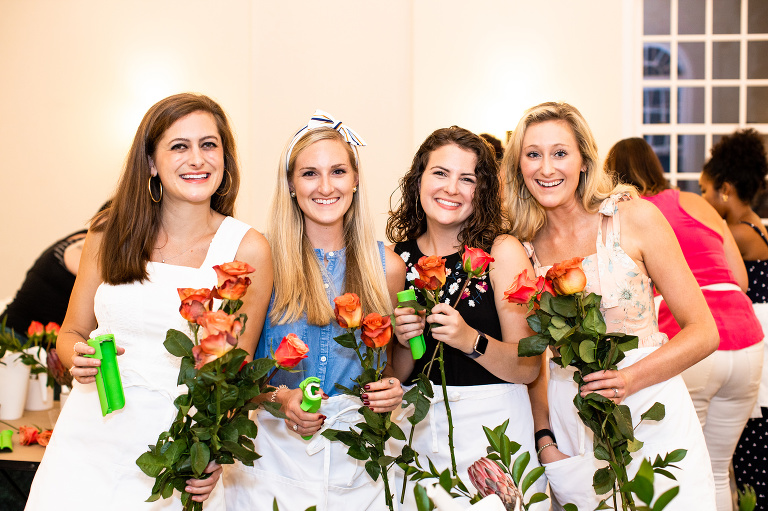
757	230
226	241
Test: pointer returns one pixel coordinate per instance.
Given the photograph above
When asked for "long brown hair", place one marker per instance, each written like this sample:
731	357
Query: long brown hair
633	162
487	220
131	224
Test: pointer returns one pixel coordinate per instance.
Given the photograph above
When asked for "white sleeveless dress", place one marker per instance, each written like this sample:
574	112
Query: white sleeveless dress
90	463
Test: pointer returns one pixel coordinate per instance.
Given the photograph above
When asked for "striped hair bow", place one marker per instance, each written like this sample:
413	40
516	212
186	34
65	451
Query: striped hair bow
322	119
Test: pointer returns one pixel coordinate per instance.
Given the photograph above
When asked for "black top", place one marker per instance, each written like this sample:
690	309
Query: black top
757	272
44	294
477	307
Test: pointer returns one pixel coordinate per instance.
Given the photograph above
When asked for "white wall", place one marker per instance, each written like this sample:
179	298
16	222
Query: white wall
78	76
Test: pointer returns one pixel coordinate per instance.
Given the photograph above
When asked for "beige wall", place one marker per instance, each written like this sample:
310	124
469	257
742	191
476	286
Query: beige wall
78	75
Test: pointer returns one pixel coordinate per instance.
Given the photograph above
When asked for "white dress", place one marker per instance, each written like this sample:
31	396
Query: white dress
90	463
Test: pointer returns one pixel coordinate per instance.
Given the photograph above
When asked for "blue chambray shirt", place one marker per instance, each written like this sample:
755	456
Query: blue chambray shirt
326	359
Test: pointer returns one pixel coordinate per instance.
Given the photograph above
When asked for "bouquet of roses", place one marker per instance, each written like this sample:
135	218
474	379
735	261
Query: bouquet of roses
38	351
212	422
369	441
432	277
570	322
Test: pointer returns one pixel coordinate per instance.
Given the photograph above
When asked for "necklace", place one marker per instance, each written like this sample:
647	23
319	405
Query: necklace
163	258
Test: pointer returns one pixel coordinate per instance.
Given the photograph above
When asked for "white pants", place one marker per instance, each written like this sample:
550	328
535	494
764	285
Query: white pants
724	389
472	407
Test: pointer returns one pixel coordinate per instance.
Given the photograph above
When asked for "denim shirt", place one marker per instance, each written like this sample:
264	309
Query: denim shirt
326	359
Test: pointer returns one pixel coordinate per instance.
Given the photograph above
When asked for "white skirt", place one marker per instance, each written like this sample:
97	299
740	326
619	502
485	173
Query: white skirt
472	407
302	473
570	479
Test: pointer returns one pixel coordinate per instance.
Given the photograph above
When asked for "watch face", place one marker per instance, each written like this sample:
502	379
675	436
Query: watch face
481	345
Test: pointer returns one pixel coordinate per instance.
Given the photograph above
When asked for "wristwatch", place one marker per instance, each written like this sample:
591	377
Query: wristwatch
481	344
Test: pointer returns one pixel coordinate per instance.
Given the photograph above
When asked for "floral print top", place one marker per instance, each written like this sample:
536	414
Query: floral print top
627	305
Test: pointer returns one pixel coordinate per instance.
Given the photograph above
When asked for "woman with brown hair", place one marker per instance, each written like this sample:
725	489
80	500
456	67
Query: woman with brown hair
169	224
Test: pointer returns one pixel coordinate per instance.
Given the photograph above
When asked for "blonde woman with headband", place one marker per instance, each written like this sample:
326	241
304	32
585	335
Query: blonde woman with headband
322	246
562	204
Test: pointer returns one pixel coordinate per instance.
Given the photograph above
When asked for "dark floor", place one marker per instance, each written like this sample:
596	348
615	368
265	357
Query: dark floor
11	481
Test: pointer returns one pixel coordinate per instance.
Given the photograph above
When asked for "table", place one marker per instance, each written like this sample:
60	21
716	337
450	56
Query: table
26	457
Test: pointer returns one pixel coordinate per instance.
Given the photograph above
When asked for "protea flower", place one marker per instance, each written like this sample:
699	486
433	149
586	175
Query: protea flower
490	479
57	370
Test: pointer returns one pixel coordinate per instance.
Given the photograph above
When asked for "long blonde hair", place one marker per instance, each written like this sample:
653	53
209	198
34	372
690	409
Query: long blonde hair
526	215
298	275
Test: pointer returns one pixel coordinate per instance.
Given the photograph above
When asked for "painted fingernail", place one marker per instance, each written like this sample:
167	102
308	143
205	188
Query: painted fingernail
324	417
364	396
370	408
366	402
367	387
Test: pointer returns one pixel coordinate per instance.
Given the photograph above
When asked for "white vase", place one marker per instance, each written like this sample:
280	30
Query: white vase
39	394
14	380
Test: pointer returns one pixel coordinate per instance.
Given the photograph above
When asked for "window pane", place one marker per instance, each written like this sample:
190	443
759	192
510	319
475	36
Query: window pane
690	16
725	59
690	153
757	20
757	104
689	185
656	17
727	17
656	105
725	104
757	59
690	60
690	105
660	145
656	61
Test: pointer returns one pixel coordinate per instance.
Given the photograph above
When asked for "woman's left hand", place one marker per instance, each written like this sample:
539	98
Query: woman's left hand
384	395
448	326
201	488
610	384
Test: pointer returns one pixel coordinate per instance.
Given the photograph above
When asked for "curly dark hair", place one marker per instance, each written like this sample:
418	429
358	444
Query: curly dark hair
488	219
739	159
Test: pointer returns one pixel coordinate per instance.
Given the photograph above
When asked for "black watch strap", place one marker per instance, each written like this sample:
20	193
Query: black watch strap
481	344
542	433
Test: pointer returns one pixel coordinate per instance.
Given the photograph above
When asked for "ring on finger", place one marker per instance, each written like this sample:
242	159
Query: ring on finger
391	381
295	427
80	353
615	392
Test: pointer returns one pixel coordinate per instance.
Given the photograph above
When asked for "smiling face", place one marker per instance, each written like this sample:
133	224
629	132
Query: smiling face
323	179
551	163
448	185
189	159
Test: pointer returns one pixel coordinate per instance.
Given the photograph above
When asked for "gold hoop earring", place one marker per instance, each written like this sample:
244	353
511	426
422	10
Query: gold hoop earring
149	187
230	184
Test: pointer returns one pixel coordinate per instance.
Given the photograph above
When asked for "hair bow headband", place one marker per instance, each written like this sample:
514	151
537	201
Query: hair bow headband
322	119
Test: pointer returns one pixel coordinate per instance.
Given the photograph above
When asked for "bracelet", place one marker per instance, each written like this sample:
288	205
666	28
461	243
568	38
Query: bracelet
542	433
538	453
278	389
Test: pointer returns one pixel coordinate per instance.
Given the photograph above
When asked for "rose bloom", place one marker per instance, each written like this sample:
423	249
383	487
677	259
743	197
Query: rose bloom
521	290
232	285
475	261
35	329
291	351
348	310
194	303
568	277
44	437
211	347
27	434
220	322
377	330
431	273
52	328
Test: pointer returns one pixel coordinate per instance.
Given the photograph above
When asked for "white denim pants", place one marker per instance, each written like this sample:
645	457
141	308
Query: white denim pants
723	389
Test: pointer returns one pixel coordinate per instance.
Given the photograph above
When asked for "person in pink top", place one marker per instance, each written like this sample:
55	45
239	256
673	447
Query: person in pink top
724	385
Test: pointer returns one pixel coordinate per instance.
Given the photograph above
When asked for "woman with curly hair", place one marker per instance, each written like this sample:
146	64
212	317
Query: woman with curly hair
733	176
451	199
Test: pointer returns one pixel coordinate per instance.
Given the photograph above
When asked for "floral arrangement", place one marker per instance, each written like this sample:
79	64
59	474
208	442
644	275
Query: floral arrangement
369	441
432	276
39	339
571	323
212	422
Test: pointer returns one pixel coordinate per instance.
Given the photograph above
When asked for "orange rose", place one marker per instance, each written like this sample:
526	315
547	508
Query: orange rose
568	277
377	330
348	310
231	285
522	290
52	328
194	303
431	273
475	261
220	322
291	351
28	434
44	437
35	330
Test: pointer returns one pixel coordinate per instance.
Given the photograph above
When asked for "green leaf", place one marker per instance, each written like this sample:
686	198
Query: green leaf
423	503
519	467
566	355
532	346
200	456
603	480
594	322
445	480
274	409
587	351
558	322
565	306
570	507
623	417
665	498
492	437
178	344
601	453
630	343
413	304
641	487
634	445
395	432
654	413
347	340
530	478
675	456
534	321
358	452
151	464
274	505
373	469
